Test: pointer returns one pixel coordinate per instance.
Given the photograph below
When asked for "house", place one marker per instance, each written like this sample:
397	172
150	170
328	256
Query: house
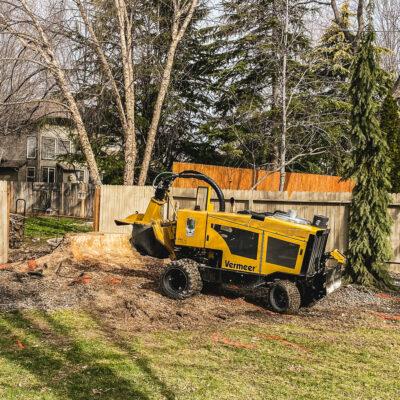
35	152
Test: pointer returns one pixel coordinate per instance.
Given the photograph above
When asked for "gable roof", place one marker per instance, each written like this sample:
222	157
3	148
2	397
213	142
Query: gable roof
41	110
12	163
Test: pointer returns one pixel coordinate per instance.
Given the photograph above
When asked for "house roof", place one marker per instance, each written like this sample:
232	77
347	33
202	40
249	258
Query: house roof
12	163
66	166
33	112
40	110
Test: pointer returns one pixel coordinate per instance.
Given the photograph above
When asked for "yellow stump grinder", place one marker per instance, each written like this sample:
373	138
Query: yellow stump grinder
276	253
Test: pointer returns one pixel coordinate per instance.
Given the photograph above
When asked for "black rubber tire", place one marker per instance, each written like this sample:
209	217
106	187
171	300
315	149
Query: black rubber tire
181	279
284	297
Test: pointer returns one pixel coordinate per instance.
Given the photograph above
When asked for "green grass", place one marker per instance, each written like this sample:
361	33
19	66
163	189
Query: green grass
74	355
50	227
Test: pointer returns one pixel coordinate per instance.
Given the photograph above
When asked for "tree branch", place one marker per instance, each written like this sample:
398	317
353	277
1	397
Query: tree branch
312	153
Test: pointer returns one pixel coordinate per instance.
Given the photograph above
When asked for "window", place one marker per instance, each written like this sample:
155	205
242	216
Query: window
282	253
80	176
240	242
49	175
63	147
30	174
48	148
31	147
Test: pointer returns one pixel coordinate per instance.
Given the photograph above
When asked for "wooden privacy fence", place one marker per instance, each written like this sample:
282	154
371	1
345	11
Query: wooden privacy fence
245	179
4	218
73	200
120	201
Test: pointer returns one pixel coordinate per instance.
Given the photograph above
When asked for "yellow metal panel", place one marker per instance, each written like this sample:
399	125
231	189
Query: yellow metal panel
270	224
153	213
232	261
338	256
191	228
269	268
163	235
131	219
239	263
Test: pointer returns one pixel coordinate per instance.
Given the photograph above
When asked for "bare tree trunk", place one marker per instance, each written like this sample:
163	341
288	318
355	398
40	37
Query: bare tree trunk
282	176
126	111
130	151
177	34
351	37
275	124
275	103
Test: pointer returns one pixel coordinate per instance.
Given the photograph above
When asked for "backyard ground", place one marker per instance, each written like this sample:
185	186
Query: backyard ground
95	329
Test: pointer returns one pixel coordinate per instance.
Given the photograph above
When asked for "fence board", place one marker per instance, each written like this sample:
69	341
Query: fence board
244	179
120	201
73	200
4	218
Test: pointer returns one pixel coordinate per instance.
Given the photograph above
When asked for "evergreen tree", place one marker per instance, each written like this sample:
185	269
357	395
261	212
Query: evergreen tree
369	223
334	52
247	76
390	125
332	59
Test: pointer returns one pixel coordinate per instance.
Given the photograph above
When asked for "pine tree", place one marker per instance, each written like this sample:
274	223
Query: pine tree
390	125
335	53
332	59
248	74
369	223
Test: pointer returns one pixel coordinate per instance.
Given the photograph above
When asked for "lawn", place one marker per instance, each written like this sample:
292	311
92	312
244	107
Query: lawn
45	227
76	355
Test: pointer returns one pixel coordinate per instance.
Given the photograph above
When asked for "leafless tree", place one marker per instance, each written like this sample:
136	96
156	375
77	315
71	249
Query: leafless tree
19	82
49	46
183	11
388	12
26	23
388	24
290	87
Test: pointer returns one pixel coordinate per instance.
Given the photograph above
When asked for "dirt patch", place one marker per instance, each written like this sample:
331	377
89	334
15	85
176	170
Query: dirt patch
388	317
30	249
285	342
121	286
217	338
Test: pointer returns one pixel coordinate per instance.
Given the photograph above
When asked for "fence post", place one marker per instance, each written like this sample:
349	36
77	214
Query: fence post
4	221
96	209
62	198
250	202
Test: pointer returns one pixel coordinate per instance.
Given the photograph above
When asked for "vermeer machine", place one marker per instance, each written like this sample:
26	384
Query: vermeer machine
273	253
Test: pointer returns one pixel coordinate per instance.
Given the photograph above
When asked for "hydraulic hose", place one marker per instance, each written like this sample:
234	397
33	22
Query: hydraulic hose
164	180
198	175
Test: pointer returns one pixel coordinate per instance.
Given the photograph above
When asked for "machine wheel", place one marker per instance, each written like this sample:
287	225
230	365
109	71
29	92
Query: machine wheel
181	279
284	297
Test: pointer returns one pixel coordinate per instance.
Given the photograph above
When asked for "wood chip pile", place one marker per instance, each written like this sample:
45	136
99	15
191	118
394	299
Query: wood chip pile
17	229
